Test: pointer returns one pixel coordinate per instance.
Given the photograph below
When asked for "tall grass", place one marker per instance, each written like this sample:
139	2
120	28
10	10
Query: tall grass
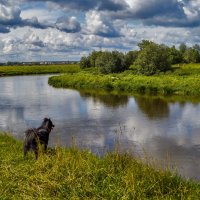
78	174
38	69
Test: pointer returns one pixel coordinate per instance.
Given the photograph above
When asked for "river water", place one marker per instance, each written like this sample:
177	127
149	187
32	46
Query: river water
167	131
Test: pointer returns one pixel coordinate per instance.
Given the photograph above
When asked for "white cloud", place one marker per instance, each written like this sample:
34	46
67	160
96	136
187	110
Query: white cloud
112	25
98	24
68	24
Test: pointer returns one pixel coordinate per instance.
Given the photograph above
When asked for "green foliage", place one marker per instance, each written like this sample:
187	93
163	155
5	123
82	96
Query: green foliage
152	58
197	47
182	48
85	62
38	69
78	174
130	57
184	80
144	43
191	55
111	62
93	57
175	55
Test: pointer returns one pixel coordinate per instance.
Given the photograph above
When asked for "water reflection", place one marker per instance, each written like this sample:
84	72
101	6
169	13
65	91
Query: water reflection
109	100
158	126
153	107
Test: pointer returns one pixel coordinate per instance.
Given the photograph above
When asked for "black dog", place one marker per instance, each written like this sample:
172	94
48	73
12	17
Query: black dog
37	135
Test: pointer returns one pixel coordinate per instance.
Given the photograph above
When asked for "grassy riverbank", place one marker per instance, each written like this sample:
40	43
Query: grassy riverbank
77	174
182	80
37	69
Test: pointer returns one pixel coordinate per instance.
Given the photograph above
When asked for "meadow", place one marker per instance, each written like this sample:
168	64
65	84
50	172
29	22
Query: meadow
70	173
181	80
37	69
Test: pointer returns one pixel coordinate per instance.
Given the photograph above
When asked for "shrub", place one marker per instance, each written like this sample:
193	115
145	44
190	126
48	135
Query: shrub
152	58
191	55
85	62
111	62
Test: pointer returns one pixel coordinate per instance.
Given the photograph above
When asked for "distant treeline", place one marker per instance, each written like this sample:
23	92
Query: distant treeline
38	63
151	58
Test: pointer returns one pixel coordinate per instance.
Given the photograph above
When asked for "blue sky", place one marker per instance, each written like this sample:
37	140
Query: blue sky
68	29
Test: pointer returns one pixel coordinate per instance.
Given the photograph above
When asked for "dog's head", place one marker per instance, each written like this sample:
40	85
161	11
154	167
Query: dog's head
48	123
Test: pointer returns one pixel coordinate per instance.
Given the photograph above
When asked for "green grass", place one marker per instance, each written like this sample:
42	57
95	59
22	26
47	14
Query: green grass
78	174
182	80
38	69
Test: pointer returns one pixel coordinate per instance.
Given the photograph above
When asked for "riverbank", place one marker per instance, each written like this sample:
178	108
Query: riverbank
182	80
38	69
78	174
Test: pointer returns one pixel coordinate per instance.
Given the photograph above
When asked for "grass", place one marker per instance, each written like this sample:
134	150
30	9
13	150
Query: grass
78	174
37	69
182	80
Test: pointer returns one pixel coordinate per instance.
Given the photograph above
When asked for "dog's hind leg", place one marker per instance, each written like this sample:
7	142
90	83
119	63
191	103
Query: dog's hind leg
26	149
35	149
36	153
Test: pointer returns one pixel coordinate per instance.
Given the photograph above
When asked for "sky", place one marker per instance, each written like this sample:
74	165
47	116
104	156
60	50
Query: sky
62	30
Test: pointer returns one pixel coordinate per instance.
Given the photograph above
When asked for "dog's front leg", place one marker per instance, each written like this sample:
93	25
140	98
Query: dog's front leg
45	148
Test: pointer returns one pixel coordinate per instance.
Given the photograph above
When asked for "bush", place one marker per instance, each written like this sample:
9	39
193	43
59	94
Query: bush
175	55
191	55
111	62
152	58
85	62
131	57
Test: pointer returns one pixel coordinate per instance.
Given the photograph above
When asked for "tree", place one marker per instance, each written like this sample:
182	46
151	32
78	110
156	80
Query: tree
93	56
175	55
85	62
153	58
197	47
111	62
182	48
144	43
191	55
130	57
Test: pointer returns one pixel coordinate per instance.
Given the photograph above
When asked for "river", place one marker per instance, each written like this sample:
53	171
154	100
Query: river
167	131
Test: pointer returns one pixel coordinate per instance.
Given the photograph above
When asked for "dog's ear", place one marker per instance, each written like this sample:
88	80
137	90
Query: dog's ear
45	119
51	122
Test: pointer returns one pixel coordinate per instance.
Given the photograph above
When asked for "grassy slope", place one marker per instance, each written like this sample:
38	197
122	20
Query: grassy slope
38	69
76	174
184	80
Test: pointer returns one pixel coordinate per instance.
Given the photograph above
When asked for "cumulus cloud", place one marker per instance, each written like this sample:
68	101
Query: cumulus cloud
10	17
69	25
33	39
4	29
98	24
112	5
143	9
